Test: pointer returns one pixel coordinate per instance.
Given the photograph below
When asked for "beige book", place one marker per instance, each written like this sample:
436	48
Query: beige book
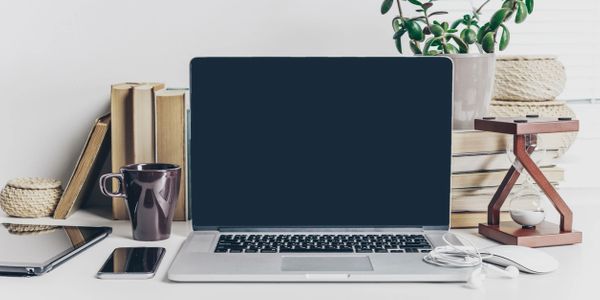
170	109
496	161
475	141
143	124
87	170
472	219
478	203
494	178
122	135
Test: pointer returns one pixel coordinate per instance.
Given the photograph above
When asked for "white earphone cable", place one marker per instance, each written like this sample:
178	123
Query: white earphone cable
457	256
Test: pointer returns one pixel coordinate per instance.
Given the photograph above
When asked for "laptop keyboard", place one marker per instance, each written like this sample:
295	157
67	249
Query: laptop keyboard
316	243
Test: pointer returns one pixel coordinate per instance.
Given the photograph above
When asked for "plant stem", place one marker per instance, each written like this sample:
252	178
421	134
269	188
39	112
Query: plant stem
400	10
443	40
478	11
426	18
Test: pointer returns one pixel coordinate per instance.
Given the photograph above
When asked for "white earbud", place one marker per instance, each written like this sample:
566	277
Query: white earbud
509	271
478	275
476	279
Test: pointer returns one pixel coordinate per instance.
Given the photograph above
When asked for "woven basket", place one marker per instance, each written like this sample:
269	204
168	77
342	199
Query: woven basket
30	197
528	78
29	229
543	109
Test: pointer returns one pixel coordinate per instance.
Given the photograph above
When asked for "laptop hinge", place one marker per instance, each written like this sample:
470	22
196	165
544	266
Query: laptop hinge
435	228
317	229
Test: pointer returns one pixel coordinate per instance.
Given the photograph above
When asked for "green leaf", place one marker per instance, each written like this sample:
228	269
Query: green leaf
468	35
507	4
504	38
414	30
462	46
529	4
396	23
438	13
430	42
386	5
521	13
421	18
415	48
456	23
416	2
452	30
498	18
445	25
437	30
427	5
433	52
482	31
450	49
399	33
488	42
398	43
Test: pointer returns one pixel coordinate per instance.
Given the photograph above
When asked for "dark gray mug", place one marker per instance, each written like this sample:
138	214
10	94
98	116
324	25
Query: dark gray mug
150	192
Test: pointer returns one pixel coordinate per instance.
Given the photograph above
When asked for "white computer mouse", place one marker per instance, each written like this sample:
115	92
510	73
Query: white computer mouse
526	259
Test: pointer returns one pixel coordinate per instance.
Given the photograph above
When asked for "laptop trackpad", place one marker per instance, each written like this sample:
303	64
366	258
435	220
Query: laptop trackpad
326	264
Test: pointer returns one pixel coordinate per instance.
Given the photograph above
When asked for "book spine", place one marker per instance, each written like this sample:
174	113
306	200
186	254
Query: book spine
472	220
143	125
121	133
171	141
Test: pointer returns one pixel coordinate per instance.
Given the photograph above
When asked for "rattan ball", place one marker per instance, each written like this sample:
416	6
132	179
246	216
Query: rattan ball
528	78
30	197
29	229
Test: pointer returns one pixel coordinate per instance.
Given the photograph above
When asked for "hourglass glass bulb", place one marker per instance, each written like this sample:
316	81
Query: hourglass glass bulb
526	205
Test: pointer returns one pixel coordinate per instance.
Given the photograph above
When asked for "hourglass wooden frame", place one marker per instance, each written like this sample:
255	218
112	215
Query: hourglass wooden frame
509	232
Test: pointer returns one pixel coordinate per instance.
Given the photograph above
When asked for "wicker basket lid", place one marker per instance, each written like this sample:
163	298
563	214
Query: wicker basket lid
34	183
525	57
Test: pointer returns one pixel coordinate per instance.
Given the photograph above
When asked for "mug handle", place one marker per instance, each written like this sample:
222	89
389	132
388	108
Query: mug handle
109	193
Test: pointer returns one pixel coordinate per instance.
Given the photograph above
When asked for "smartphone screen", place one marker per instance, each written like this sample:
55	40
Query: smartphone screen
132	263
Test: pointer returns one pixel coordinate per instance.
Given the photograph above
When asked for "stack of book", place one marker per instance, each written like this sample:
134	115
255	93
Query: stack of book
148	125
480	162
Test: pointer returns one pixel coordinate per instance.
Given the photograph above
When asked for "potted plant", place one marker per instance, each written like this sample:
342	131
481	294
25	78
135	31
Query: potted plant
469	41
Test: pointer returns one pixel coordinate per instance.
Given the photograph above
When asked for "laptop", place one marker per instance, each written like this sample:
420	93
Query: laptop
318	169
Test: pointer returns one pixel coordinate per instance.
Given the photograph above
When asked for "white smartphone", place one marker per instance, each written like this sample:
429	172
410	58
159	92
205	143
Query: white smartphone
132	263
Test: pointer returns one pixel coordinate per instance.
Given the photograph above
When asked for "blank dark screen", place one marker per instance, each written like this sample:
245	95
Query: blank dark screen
320	142
133	260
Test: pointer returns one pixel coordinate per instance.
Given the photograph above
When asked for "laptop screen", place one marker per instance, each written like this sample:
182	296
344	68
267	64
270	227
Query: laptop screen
320	142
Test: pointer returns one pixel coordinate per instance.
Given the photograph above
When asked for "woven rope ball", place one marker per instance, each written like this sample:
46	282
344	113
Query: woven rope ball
29	229
30	197
528	78
543	109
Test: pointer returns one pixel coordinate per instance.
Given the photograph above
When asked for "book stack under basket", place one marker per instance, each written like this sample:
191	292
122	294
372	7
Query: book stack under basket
480	162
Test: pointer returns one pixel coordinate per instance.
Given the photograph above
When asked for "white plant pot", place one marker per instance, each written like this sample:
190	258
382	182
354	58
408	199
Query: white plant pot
473	87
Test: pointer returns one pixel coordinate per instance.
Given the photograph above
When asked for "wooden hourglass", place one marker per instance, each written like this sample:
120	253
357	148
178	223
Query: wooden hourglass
509	232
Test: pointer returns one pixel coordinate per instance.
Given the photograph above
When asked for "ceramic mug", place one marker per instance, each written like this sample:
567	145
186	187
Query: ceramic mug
151	192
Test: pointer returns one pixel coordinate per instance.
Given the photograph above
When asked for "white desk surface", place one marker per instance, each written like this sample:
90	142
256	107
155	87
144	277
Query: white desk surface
577	277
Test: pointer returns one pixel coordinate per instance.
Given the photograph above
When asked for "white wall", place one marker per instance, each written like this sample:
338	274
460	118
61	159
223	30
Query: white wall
58	58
